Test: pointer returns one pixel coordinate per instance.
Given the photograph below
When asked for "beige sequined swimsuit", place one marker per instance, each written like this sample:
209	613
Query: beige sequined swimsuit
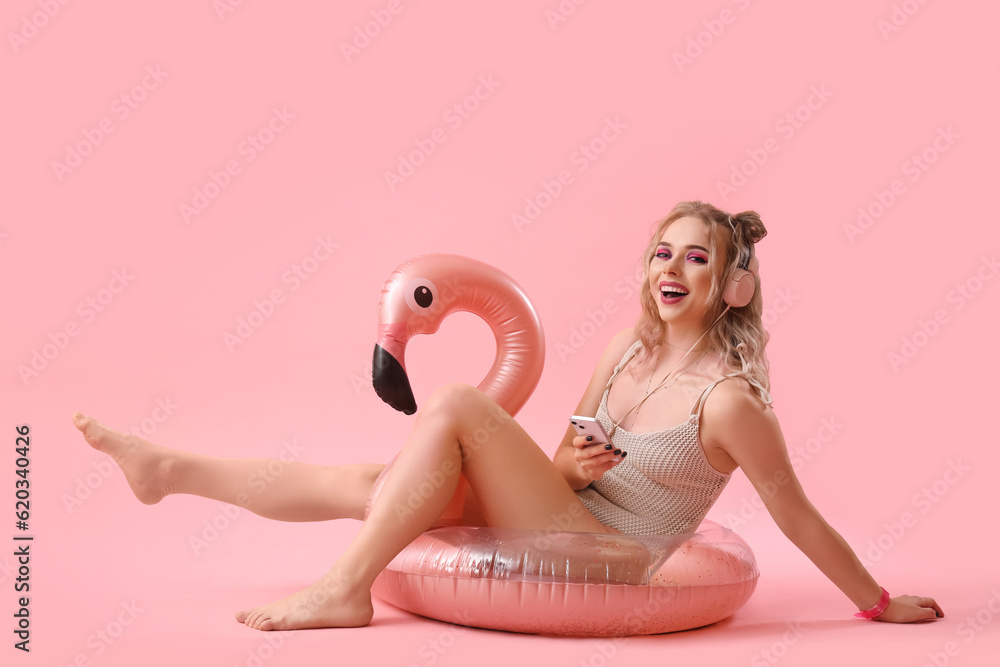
665	485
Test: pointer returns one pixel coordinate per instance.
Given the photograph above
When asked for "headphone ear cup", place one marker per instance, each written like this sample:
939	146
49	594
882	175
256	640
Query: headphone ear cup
740	289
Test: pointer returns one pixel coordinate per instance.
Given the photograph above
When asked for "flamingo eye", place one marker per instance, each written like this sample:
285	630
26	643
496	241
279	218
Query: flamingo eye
420	295
423	296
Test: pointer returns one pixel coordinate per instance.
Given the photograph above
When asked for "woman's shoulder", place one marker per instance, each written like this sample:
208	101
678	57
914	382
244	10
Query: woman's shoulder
734	400
621	343
735	419
614	354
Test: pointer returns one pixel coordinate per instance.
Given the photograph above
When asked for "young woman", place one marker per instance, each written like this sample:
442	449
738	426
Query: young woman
693	407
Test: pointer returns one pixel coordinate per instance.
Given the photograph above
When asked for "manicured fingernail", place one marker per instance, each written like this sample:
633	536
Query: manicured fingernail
609	446
624	454
618	451
589	438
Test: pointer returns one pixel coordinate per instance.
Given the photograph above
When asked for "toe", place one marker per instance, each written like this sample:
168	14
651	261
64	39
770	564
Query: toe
93	432
80	421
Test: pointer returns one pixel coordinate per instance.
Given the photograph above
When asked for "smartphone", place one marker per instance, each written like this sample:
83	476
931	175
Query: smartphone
590	426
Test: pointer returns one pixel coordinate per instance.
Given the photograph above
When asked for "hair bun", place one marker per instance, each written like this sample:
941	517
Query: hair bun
751	226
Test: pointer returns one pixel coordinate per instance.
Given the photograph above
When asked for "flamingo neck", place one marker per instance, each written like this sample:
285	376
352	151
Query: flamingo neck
519	338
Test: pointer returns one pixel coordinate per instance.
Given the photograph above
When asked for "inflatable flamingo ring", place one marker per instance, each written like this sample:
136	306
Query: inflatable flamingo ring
545	582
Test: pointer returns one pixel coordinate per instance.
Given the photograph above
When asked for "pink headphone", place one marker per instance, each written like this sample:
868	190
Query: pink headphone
740	289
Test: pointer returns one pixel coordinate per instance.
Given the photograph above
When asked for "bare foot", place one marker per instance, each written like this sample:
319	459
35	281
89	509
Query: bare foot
325	604
146	466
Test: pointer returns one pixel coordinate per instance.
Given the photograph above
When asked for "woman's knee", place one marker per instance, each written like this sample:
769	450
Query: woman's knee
456	400
453	397
476	416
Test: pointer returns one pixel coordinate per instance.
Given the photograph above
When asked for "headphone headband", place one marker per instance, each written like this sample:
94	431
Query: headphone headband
741	288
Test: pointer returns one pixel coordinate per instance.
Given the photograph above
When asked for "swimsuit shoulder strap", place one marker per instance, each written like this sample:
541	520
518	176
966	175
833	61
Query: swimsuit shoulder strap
625	359
700	403
764	395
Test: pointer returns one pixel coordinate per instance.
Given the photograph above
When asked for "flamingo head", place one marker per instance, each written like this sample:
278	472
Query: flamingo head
418	295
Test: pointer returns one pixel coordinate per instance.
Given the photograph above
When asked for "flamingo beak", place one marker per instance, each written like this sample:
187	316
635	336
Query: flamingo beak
390	381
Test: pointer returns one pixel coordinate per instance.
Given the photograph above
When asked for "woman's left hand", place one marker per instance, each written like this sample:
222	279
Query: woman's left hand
910	608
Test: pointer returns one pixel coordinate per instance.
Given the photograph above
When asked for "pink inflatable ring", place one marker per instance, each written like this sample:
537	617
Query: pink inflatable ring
582	584
543	582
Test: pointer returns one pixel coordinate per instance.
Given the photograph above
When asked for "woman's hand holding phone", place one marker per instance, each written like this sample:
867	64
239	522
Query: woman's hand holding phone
594	452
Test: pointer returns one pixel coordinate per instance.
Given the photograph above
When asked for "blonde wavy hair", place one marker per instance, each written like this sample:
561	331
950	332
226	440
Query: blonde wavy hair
739	337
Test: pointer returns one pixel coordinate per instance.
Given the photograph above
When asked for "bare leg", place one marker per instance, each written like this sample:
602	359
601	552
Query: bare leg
272	488
460	430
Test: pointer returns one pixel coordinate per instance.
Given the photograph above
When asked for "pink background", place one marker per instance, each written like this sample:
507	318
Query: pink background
838	306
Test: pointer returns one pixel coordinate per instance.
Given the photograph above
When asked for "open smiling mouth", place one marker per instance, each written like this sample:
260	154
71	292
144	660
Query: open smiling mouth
672	294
